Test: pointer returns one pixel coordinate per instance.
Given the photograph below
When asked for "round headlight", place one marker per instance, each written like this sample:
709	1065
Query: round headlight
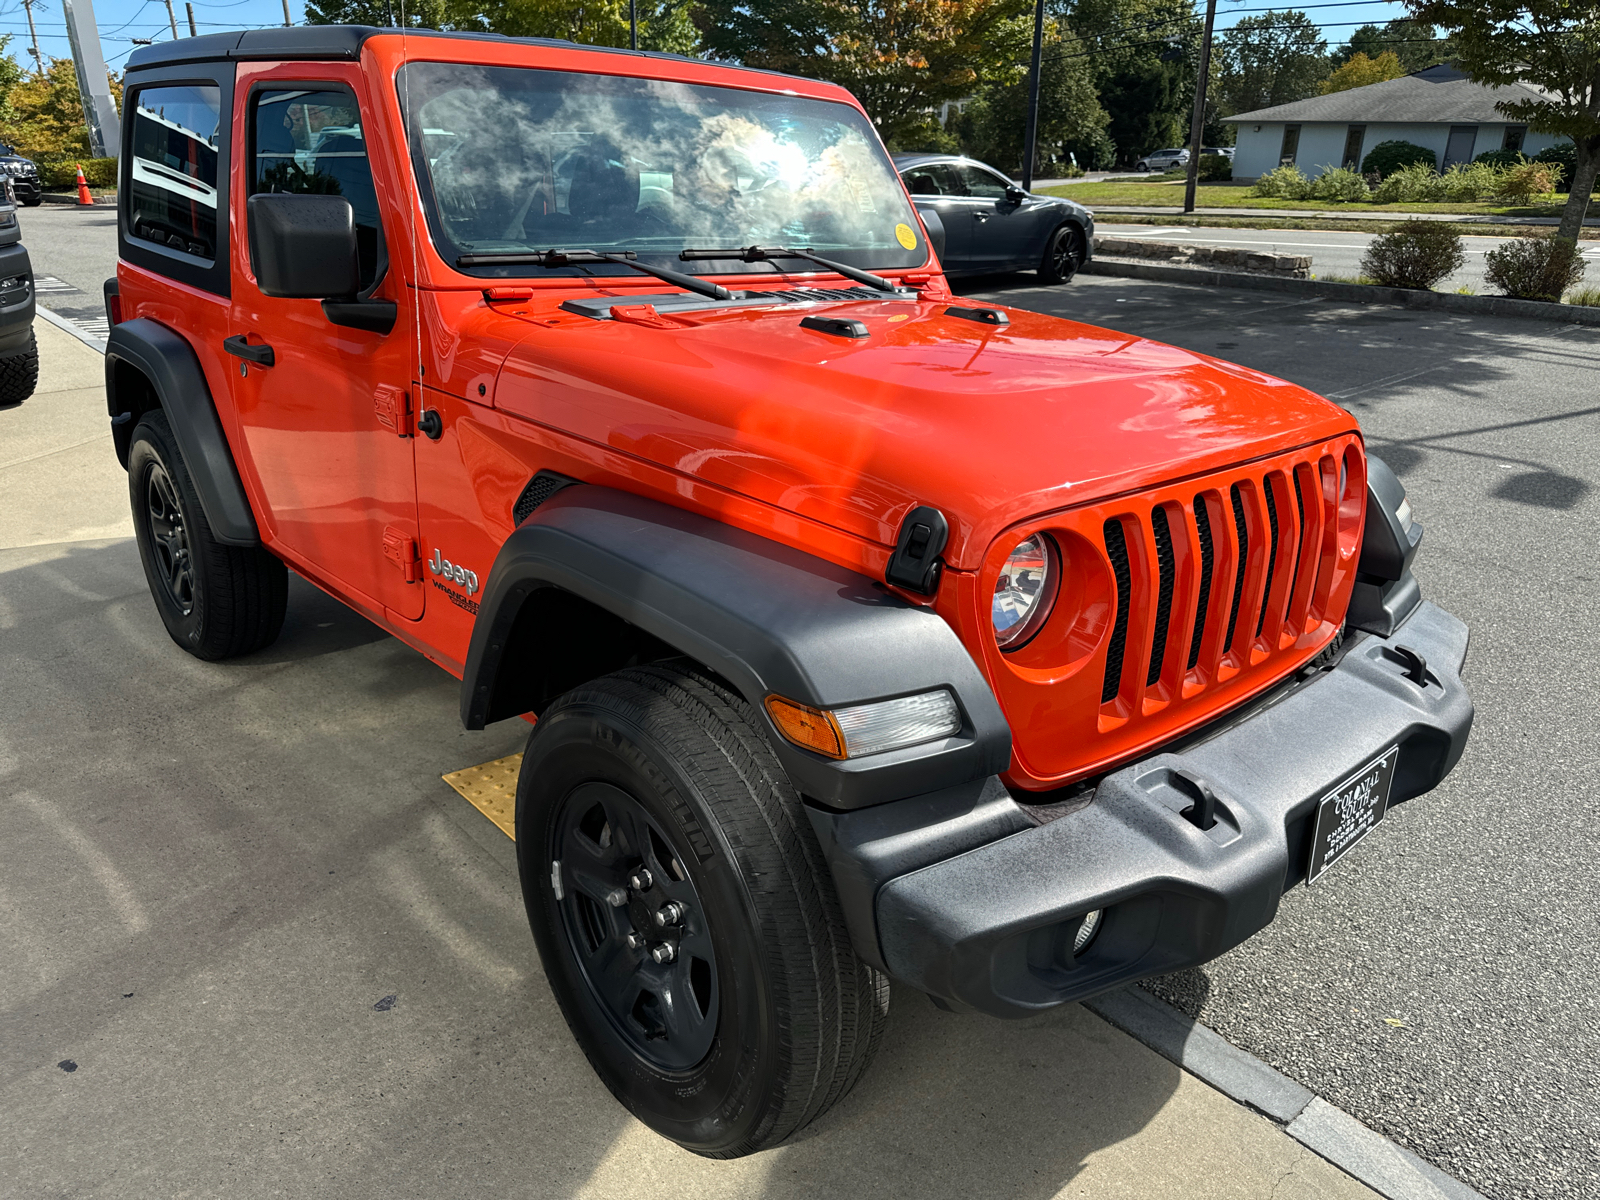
1025	590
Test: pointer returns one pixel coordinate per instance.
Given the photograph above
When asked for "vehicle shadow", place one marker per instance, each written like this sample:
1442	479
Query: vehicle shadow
1372	359
284	958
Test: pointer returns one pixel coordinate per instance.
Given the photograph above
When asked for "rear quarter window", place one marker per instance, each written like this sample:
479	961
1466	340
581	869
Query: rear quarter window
173	168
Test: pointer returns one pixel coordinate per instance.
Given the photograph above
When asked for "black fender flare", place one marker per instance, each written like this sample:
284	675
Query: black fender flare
169	363
765	617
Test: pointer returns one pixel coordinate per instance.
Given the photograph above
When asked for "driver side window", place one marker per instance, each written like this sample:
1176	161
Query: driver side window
981	183
309	140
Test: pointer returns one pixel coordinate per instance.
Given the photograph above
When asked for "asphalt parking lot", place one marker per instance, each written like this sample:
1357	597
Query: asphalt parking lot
1442	984
251	944
283	958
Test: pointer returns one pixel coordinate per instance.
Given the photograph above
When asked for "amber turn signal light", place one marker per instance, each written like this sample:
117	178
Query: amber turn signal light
808	728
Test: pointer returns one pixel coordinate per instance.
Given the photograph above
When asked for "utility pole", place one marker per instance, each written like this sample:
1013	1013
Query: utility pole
193	32
172	20
38	59
1197	123
99	113
633	24
1030	139
286	19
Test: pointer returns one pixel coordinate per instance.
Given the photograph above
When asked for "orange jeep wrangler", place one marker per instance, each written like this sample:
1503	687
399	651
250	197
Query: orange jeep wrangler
869	633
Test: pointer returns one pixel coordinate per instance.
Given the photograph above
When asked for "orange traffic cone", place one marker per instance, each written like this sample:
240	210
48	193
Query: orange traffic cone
83	188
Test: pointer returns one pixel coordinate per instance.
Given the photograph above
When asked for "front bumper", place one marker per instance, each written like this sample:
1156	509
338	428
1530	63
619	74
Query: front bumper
16	302
967	896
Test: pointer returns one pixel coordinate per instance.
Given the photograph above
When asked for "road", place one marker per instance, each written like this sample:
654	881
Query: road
1441	984
1331	252
77	247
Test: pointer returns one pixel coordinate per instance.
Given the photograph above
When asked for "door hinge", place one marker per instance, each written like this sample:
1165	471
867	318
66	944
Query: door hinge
400	548
393	406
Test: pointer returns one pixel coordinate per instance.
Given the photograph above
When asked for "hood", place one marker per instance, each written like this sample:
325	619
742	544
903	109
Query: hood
990	424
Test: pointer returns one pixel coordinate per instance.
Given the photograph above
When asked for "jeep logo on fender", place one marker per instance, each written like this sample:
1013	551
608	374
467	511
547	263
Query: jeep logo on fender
453	572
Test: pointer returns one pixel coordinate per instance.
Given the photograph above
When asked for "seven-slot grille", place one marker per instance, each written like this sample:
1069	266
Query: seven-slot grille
1213	581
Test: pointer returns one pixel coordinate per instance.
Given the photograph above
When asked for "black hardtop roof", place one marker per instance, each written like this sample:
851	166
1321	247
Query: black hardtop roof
343	43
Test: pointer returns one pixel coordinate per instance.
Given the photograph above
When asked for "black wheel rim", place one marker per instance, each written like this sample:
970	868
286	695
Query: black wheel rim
1066	256
666	1011
169	538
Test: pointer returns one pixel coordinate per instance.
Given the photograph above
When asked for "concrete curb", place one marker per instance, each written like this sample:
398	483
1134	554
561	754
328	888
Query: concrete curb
1362	1153
62	323
1359	293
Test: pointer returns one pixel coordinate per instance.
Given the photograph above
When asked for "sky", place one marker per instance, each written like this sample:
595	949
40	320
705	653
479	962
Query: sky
122	20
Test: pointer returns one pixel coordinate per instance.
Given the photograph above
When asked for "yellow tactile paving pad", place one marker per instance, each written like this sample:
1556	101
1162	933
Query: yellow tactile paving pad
491	788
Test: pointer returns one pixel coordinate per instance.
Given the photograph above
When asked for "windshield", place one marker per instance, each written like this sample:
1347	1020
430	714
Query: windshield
513	160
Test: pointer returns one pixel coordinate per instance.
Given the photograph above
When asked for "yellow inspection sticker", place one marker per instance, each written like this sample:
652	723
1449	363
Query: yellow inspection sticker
491	789
905	235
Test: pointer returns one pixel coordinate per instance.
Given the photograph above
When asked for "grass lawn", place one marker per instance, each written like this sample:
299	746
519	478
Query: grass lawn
1168	190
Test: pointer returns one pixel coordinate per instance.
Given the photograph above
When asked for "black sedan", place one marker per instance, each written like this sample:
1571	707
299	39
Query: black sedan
990	224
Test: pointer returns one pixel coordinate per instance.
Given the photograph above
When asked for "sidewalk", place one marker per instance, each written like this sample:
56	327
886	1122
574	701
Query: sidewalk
472	1087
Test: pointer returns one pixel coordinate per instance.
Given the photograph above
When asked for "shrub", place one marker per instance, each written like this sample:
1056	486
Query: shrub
1416	255
1502	158
1283	183
1565	156
1471	181
63	175
1418	183
1528	181
1215	168
1540	267
1388	157
1339	184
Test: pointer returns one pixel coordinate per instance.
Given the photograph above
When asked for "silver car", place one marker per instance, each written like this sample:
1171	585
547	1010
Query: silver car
981	222
1162	160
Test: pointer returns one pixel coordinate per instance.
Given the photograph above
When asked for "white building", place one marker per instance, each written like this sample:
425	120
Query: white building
1439	108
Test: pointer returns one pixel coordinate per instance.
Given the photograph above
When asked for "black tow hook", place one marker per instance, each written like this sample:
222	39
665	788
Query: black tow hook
1202	814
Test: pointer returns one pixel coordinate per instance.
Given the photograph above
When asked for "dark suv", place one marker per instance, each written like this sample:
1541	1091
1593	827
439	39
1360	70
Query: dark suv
19	353
24	176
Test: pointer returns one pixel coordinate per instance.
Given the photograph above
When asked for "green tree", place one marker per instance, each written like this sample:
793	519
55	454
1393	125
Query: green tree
1144	102
1416	44
1143	65
1270	59
1359	71
663	24
1553	45
901	58
43	116
10	76
993	127
411	14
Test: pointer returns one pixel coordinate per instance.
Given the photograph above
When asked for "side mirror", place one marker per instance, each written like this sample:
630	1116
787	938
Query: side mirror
1014	194
303	247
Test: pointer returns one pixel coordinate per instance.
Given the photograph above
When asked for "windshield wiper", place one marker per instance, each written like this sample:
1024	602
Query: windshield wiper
568	258
751	254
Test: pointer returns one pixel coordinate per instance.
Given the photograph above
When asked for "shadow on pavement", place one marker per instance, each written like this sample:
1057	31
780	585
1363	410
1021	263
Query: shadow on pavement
285	958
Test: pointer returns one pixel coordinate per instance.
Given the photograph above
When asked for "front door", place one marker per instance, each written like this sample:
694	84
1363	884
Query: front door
326	423
1459	148
1003	230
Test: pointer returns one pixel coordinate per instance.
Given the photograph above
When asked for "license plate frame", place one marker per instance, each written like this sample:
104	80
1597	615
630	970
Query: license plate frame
1350	811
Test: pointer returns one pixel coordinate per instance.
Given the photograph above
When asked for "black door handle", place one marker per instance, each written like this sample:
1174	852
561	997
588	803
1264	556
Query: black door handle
237	346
